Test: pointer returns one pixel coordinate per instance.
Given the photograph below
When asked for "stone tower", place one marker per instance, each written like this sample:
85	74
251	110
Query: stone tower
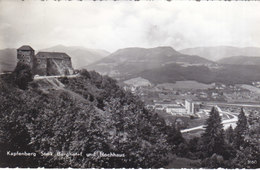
25	54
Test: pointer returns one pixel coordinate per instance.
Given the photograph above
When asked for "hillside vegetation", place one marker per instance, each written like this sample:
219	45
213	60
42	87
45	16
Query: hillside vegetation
228	74
68	122
241	60
81	115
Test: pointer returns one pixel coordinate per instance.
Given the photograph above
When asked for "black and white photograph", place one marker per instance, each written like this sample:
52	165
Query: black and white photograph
130	84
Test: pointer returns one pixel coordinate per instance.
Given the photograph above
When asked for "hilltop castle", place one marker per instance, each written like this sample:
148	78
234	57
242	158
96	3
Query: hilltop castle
45	63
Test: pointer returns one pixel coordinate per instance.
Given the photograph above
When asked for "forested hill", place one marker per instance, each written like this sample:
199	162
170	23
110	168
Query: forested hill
226	74
81	115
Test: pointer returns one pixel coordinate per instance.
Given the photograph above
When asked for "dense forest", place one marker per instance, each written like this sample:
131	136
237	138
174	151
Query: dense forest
226	74
91	113
83	115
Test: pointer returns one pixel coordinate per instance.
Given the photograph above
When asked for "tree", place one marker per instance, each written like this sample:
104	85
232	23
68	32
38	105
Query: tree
14	137
213	137
229	135
215	161
22	75
85	73
240	130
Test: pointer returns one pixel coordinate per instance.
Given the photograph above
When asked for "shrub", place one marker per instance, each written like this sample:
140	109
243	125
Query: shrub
22	75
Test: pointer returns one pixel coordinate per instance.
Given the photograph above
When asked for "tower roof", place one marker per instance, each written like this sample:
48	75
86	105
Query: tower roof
26	48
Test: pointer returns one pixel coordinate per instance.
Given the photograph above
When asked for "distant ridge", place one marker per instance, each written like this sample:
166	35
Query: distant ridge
7	59
241	60
220	52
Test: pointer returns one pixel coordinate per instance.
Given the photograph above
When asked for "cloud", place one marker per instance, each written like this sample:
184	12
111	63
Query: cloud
113	25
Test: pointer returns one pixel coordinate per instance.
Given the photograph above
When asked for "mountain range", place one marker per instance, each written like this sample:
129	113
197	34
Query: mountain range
129	61
166	65
220	52
161	64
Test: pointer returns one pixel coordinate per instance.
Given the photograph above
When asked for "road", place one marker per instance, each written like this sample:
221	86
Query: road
43	77
233	104
226	123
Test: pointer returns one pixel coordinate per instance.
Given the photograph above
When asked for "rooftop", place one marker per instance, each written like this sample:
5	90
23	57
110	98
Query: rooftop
175	107
52	55
26	48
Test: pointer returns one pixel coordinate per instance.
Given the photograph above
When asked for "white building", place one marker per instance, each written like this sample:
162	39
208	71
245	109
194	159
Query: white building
189	106
176	110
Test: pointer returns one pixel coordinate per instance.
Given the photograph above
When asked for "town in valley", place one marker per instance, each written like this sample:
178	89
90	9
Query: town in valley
186	104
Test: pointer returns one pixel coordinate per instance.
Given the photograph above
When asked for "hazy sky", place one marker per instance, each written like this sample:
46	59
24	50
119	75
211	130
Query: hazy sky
113	25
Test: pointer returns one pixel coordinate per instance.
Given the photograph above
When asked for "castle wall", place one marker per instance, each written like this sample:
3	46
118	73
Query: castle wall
45	63
57	66
40	66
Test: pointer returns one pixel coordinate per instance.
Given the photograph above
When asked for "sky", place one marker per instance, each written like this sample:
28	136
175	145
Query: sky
113	25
